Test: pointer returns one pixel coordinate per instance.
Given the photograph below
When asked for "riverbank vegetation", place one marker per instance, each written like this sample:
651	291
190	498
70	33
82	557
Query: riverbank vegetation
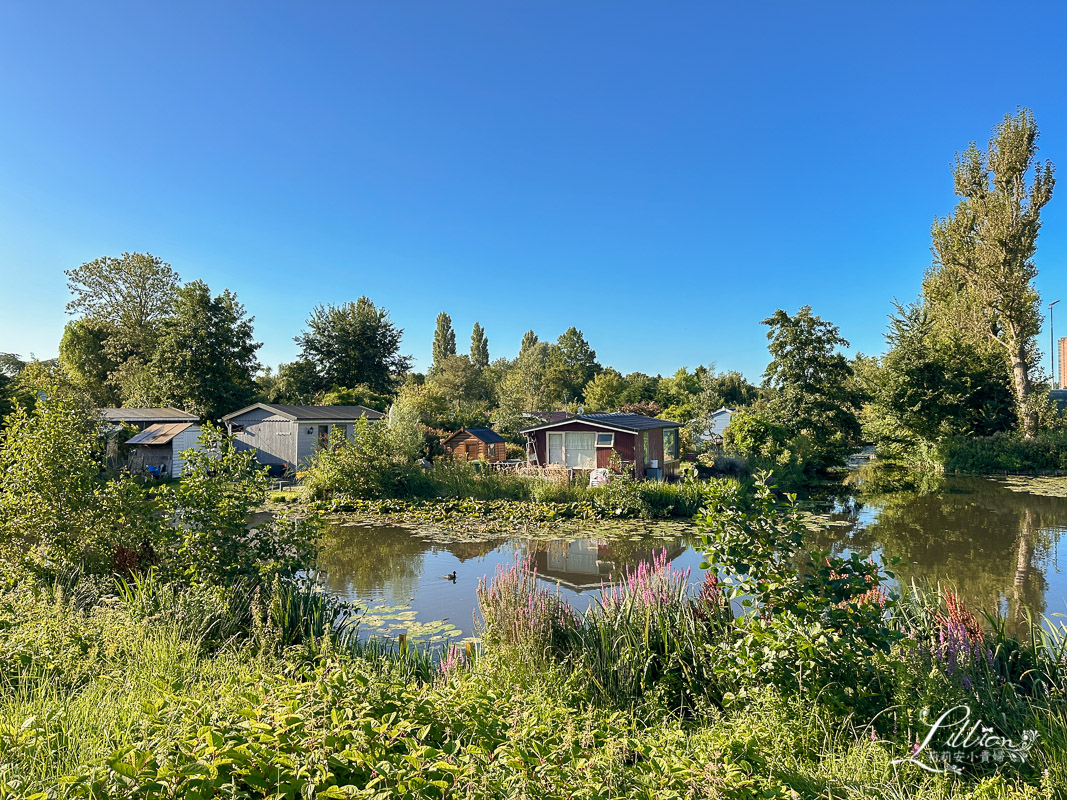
790	673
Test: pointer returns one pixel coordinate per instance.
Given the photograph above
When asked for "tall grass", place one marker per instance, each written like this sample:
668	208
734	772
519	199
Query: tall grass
649	633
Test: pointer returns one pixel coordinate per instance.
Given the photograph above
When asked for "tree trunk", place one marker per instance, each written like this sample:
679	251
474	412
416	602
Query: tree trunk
1021	384
1023	571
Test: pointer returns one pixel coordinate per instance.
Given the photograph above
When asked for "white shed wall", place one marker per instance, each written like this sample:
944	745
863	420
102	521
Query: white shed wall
189	439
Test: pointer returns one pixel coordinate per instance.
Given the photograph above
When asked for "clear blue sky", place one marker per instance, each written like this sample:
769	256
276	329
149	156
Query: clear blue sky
663	175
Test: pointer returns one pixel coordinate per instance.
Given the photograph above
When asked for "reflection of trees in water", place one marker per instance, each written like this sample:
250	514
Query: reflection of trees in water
988	543
370	560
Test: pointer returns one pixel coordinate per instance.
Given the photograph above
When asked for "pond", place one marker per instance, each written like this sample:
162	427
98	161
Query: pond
996	546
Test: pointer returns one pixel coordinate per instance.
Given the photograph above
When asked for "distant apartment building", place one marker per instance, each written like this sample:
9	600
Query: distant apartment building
1061	352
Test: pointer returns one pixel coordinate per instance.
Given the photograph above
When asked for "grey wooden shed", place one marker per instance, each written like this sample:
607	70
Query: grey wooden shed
285	435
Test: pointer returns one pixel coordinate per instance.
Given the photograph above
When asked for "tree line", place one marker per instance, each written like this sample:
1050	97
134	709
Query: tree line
962	359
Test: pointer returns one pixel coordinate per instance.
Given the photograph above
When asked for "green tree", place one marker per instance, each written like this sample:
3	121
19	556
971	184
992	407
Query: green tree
932	384
85	357
479	347
444	340
131	295
813	394
457	379
522	390
56	512
983	272
529	339
729	389
356	396
640	388
10	367
353	344
571	365
604	392
205	360
295	382
209	538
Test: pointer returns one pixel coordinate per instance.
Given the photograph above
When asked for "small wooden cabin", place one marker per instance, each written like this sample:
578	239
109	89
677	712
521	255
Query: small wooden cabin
647	446
158	448
472	444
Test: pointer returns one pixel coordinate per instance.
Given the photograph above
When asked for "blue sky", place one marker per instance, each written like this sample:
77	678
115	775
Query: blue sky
661	175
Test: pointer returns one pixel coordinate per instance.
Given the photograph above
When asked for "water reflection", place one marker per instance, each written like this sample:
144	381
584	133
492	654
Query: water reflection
388	566
582	565
996	548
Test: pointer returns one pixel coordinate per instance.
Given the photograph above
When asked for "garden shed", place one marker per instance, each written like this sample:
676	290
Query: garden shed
647	446
471	444
158	448
712	427
285	435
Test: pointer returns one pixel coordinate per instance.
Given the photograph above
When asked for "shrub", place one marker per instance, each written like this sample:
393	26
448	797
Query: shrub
380	460
209	537
57	512
1005	451
813	623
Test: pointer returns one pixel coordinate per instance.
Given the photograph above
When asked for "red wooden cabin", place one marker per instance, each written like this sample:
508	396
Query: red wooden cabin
587	441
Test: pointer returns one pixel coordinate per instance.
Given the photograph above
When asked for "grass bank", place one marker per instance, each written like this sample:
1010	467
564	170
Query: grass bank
101	701
149	688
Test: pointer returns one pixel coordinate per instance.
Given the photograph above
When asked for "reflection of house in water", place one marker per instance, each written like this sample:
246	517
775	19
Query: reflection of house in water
465	551
583	564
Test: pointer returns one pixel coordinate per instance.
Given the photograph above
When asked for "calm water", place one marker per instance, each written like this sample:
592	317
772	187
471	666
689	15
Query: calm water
999	549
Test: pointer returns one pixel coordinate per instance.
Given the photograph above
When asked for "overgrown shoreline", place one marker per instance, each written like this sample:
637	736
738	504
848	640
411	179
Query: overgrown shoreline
195	659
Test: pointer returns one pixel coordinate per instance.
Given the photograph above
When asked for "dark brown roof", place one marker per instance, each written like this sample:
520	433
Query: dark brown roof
146	415
313	412
487	435
624	422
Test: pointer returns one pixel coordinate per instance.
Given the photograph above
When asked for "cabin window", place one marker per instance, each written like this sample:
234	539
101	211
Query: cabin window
644	445
605	440
555	448
574	449
492	449
580	449
670	444
324	435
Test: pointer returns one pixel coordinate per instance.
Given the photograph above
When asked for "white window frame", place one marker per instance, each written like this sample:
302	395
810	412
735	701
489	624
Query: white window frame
677	444
611	442
563	448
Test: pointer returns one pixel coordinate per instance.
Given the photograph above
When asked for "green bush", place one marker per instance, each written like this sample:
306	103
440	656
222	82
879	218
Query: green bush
209	539
813	623
57	510
1005	451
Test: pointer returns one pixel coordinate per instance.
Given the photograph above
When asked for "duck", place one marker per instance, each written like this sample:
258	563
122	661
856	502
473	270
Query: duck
450	577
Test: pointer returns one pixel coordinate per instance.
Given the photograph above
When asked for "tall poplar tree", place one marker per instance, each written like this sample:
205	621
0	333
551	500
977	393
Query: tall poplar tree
479	347
982	277
444	341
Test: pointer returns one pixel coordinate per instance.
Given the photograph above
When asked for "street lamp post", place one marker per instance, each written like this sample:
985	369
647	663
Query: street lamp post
1052	342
